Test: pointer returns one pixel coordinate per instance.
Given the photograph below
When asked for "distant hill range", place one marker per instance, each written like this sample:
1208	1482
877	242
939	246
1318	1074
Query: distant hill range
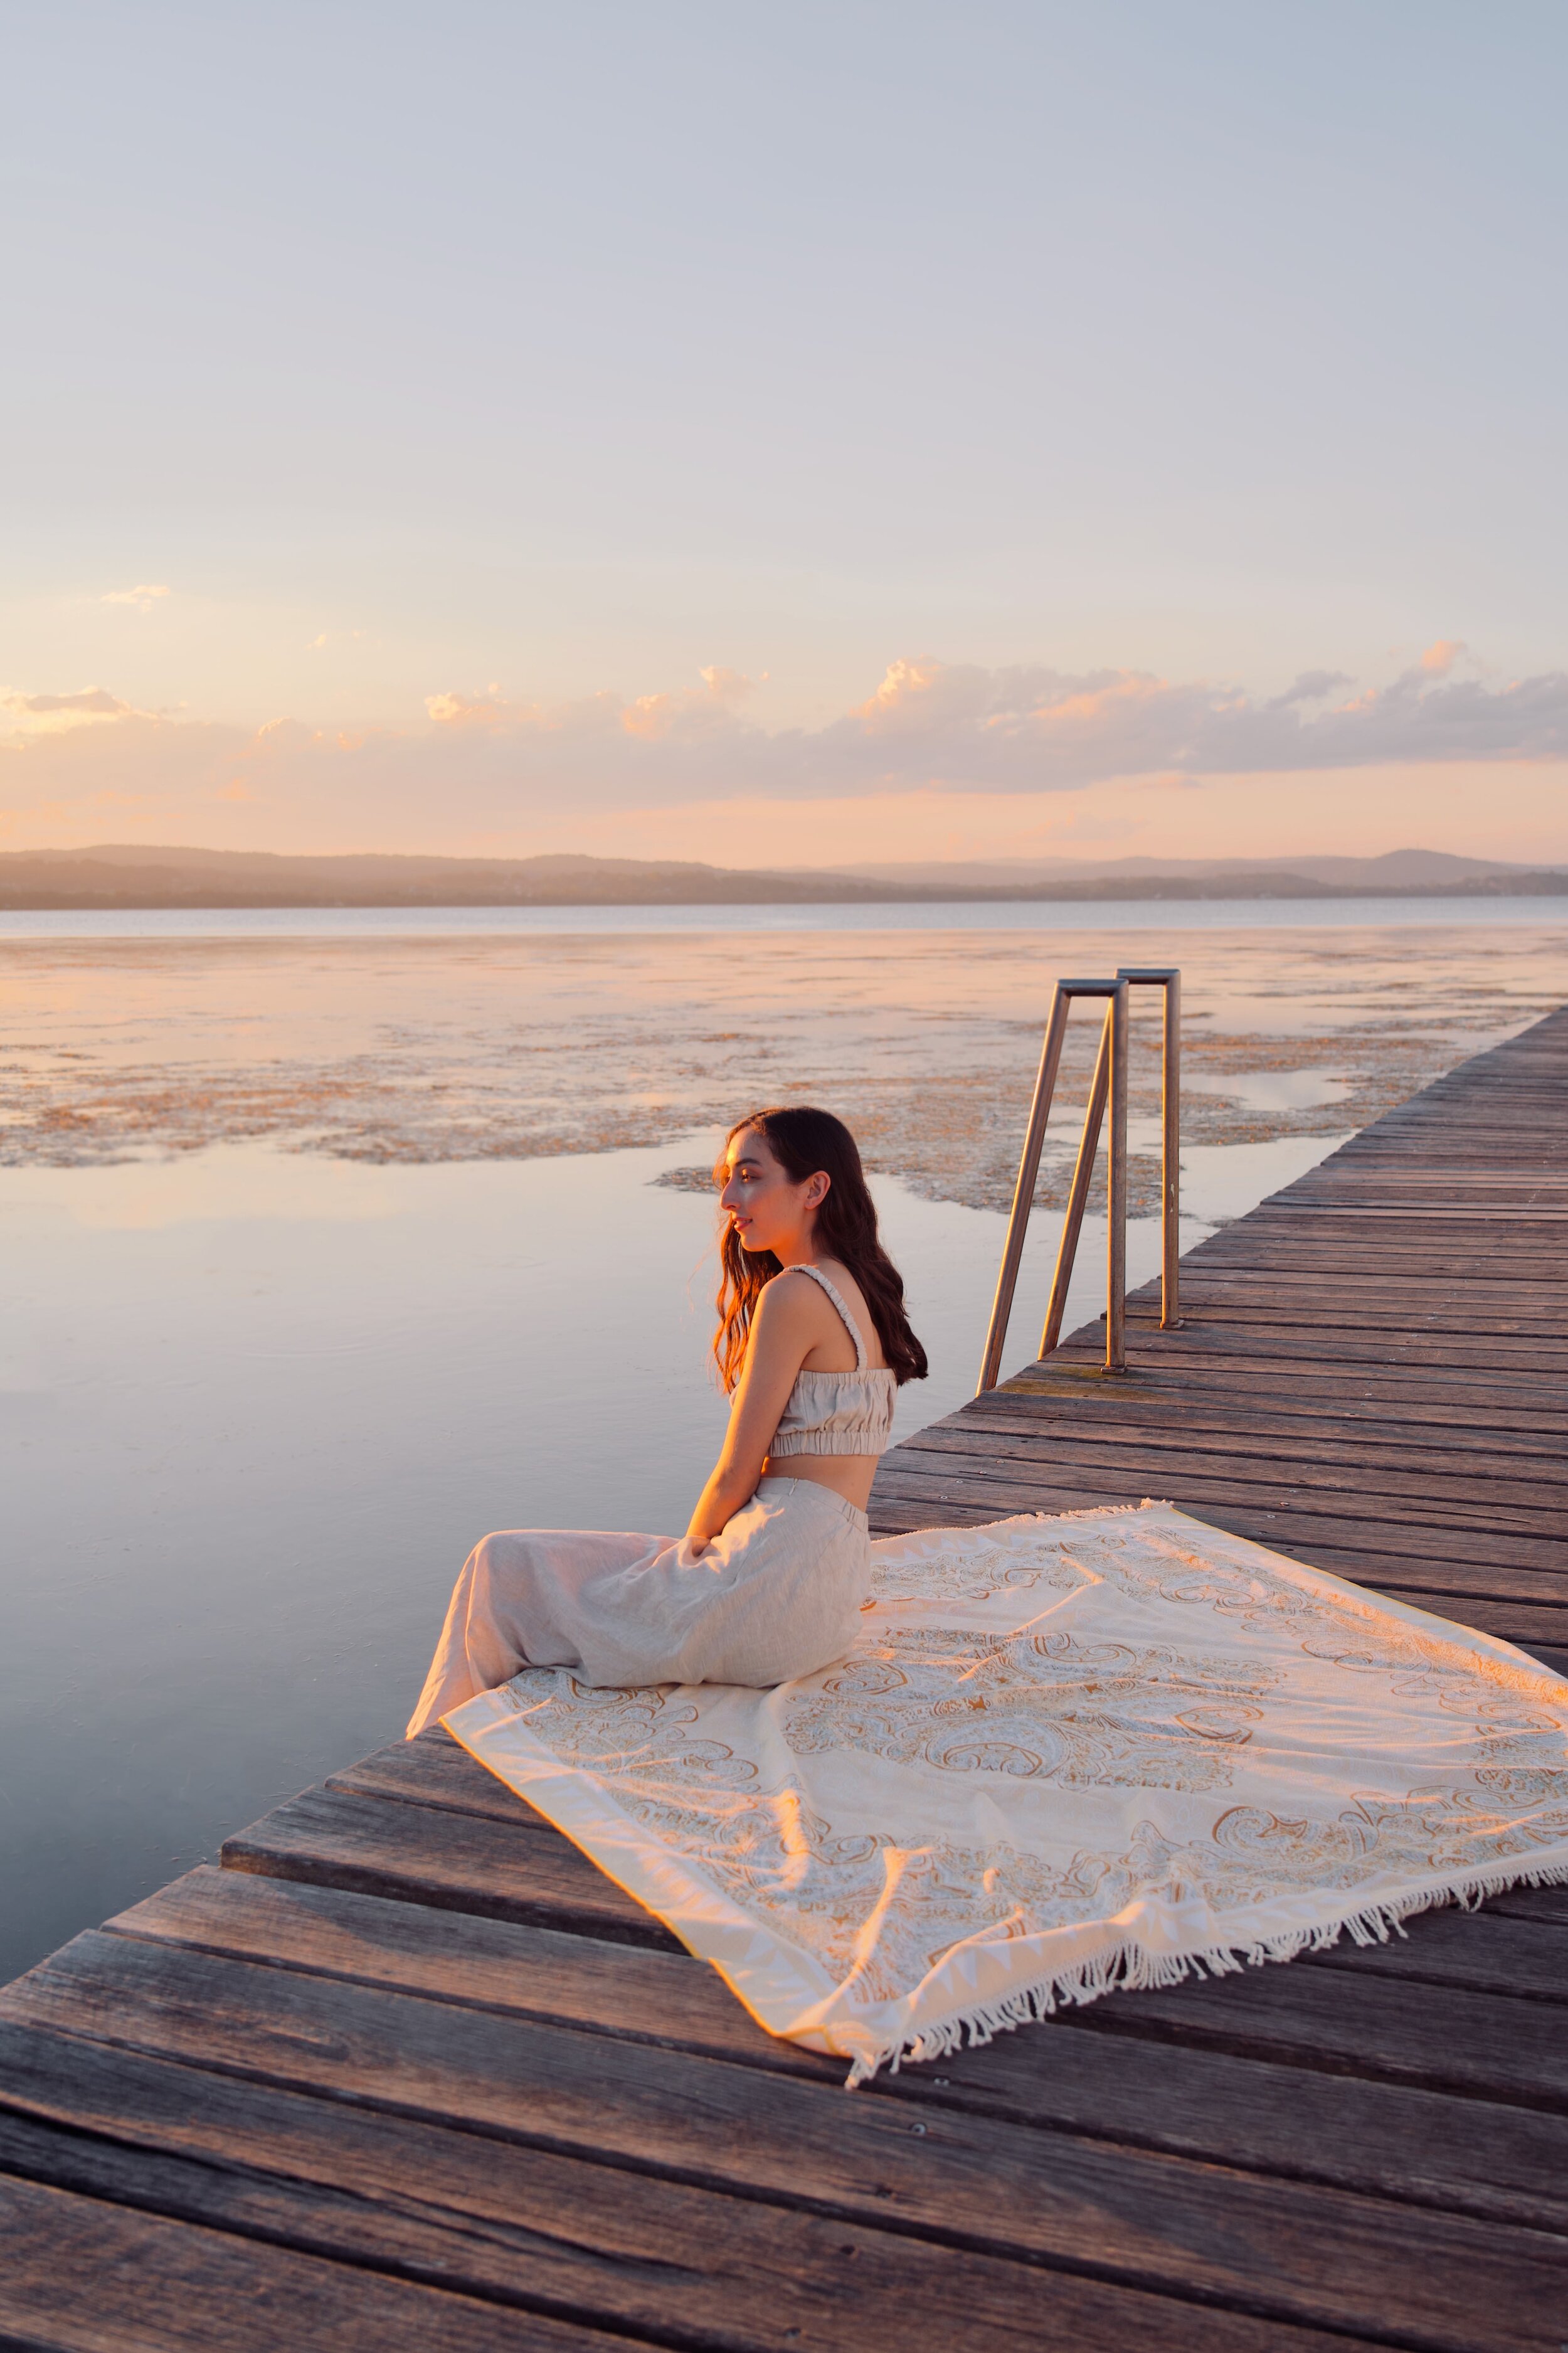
123	876
1395	873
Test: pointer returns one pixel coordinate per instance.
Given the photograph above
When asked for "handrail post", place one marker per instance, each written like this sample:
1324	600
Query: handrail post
1024	1191
1116	1188
1077	1193
1169	979
1171	1157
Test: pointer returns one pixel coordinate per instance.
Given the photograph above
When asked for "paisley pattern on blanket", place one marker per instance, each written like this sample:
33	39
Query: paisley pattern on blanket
1064	1754
1080	1713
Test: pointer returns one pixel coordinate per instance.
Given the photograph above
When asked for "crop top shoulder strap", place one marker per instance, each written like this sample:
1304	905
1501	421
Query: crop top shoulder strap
849	1323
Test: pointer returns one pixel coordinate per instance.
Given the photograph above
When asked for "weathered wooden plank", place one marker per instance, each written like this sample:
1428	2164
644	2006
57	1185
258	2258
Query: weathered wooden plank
1392	1150
1422	1199
1377	1255
1402	1309
453	1861
1453	2039
1390	1340
1254	1324
1384	1253
1429	1264
1335	1441
1529	1502
1453	1123
1452	1590
1305	2254
1501	1345
85	2275
1338	1431
1128	1418
1262	2116
1357	1362
1370	1276
1532	1902
1371	1283
1401	1196
1253	1316
1326	1543
1215	1392
1369	1351
528	2228
1473	1336
1484	1950
1478	1300
1015	1485
1414	1210
1385	1556
1400	1172
1407	1182
1504	1564
423	1773
1203	1481
1236	1297
1355	1365
639	1992
1507	1536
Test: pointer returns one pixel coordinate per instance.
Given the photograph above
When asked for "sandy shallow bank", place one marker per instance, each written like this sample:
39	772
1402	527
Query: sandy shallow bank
423	1050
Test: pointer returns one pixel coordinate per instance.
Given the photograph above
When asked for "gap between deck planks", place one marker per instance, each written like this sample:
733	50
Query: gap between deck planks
409	2071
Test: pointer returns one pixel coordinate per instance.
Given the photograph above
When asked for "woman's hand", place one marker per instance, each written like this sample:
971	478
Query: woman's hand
786	1325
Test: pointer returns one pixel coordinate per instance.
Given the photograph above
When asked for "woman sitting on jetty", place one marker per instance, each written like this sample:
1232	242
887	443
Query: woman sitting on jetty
768	1582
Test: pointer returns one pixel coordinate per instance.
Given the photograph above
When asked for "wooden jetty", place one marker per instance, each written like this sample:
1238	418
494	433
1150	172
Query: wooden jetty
406	2071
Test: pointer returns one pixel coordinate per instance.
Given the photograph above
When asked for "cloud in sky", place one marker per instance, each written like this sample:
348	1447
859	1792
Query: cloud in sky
1031	729
690	720
1439	658
53	714
485	765
959	727
91	703
143	597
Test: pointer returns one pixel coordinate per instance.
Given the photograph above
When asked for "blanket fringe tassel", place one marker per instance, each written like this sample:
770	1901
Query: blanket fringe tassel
1093	1512
1129	1966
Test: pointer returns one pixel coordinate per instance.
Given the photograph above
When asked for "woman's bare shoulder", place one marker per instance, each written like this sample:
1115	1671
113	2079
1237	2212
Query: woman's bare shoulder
789	1323
803	1302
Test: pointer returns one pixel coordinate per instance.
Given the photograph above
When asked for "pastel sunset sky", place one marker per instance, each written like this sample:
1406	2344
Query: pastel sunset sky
785	434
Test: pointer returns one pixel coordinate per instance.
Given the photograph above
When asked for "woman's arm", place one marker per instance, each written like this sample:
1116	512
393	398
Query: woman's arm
786	1325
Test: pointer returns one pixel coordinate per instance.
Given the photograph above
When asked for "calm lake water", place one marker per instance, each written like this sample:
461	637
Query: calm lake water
936	916
257	1396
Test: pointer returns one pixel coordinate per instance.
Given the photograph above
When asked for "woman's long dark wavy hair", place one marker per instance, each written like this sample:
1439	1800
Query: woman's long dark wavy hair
805	1141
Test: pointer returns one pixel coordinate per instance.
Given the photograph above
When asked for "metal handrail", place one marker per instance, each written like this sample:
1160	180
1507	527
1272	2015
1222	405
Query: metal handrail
1109	1084
1167	976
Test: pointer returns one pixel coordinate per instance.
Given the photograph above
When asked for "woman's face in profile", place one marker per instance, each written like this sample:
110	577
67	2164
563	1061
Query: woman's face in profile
764	1204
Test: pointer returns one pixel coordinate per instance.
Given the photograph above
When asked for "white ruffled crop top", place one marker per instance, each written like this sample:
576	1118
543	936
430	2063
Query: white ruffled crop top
837	1413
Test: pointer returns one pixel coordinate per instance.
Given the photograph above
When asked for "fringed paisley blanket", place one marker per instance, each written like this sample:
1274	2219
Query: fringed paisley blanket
1065	1755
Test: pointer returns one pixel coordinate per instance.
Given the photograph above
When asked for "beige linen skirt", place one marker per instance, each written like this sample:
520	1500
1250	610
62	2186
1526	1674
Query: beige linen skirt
778	1593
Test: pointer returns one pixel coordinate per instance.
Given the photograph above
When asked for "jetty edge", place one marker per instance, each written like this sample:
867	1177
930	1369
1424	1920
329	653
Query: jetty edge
405	2070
